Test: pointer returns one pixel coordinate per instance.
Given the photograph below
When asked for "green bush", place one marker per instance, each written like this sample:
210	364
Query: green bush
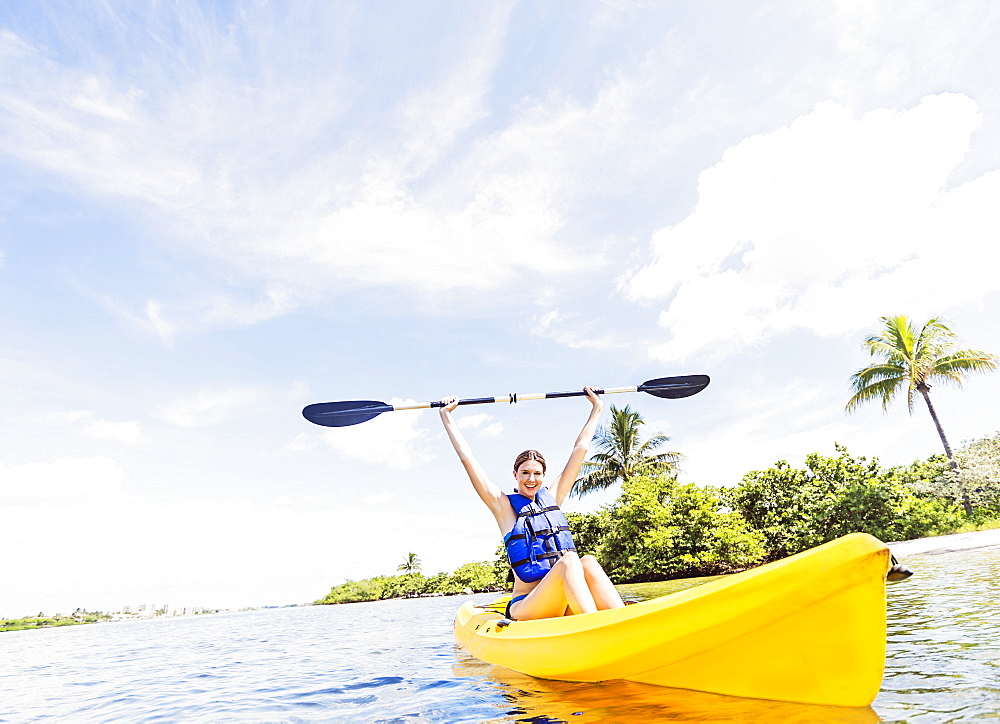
796	509
589	530
977	479
478	576
660	529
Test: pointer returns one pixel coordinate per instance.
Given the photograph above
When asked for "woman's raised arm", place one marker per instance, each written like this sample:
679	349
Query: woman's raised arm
564	484
494	498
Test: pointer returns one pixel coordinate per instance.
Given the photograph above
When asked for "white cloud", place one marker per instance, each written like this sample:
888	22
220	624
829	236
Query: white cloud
393	439
284	175
303	442
87	422
827	224
228	310
483	423
378	498
220	156
254	141
210	407
574	331
96	99
155	320
206	310
65	479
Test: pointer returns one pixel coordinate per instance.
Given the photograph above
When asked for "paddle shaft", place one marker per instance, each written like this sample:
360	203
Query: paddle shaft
514	397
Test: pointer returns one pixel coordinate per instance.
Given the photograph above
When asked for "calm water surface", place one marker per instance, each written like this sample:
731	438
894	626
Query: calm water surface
396	661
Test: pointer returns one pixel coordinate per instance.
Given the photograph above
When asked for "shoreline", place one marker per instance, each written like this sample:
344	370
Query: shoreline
901	549
946	543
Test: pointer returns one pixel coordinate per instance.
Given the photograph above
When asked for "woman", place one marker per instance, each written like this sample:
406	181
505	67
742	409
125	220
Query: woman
550	579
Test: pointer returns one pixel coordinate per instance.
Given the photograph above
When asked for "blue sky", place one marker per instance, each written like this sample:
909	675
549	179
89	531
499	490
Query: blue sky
212	215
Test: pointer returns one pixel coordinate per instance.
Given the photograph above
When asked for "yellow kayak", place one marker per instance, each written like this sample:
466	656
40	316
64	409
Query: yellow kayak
809	628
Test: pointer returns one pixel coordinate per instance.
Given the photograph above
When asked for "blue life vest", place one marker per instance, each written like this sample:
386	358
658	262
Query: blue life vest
540	535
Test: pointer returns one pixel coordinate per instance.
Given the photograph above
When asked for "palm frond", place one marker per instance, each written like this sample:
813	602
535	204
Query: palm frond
900	335
664	460
953	366
621	453
597	478
876	373
883	390
654	442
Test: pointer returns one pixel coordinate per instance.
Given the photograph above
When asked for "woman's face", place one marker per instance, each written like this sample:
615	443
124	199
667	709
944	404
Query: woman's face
529	476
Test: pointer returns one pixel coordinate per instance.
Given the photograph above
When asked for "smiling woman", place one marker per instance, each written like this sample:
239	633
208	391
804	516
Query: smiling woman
550	579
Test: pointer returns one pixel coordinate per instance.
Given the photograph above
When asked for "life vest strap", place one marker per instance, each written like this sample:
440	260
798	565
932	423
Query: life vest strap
546	532
528	512
553	554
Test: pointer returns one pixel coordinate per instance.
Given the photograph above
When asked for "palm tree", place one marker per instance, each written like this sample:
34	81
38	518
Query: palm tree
912	358
410	565
621	455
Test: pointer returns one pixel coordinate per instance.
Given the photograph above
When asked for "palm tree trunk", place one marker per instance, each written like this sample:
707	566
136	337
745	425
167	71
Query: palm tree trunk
925	391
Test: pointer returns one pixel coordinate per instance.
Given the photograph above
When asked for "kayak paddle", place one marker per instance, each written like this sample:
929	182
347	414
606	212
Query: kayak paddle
354	412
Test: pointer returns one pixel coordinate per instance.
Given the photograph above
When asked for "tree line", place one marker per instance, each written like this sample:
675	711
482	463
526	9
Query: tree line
474	577
660	528
43	621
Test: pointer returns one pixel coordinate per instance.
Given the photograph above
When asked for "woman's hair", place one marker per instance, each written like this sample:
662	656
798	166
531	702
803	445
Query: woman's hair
528	455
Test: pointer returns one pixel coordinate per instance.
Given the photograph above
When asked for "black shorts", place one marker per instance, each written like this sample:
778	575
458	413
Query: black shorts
510	603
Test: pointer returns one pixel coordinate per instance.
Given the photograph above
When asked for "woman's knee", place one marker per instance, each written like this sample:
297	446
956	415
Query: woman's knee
569	559
592	566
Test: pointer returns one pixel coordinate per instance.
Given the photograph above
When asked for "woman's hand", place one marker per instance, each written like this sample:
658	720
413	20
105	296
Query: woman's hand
594	398
449	404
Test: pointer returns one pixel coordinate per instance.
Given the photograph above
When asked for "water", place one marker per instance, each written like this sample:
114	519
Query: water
943	658
396	661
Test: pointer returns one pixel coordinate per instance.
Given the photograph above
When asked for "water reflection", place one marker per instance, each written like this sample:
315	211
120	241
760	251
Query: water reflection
538	700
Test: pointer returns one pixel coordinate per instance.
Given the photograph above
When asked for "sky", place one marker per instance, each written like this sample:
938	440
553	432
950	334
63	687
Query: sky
214	214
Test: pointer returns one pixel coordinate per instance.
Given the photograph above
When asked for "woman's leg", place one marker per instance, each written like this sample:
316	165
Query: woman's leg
601	588
564	585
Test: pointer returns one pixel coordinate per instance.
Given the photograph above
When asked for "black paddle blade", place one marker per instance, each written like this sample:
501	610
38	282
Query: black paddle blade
673	388
343	414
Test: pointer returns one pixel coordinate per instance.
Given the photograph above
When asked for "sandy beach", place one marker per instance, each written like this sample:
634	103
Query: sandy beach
946	543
